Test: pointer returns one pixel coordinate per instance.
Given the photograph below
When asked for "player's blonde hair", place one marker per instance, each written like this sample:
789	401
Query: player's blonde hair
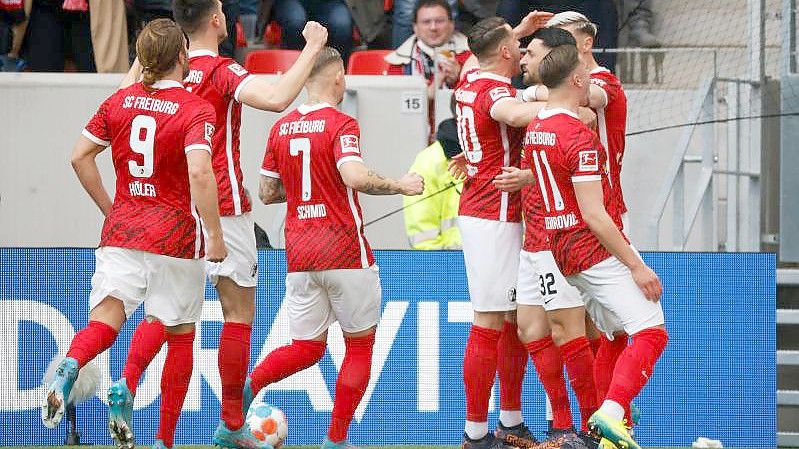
573	18
326	56
158	48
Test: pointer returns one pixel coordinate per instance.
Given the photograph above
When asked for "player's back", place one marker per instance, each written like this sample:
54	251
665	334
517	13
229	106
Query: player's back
488	145
324	225
562	151
219	80
150	132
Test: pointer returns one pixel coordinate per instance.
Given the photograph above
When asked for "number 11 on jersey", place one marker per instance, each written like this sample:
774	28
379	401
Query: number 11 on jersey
303	145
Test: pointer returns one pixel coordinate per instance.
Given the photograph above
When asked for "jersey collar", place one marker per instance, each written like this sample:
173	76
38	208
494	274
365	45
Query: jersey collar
166	84
599	69
474	76
547	113
308	108
201	52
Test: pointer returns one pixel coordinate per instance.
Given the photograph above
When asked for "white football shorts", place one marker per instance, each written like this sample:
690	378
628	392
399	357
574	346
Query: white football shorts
491	253
317	299
614	300
172	289
241	263
542	284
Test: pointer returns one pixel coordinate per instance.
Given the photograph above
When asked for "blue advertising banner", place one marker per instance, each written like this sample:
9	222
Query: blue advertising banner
717	377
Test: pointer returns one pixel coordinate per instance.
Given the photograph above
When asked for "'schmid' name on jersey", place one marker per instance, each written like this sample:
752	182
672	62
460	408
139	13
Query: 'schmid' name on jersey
302	127
307	211
150	104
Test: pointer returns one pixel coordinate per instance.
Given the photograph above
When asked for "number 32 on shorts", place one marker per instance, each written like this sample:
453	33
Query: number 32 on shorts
547	281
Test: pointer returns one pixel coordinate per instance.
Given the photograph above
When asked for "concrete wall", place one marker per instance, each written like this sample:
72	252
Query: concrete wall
42	204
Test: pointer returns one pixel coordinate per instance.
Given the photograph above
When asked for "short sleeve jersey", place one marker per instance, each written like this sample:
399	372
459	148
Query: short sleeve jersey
563	151
324	223
488	145
219	80
612	127
150	132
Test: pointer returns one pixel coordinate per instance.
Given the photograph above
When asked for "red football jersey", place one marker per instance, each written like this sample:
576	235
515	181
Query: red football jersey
489	145
535	234
150	133
324	224
612	127
219	80
563	151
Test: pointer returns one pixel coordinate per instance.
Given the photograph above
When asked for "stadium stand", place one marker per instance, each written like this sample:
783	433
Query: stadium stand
368	62
270	61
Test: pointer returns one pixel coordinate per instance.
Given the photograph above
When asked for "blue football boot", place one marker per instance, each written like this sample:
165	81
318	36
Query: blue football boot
55	401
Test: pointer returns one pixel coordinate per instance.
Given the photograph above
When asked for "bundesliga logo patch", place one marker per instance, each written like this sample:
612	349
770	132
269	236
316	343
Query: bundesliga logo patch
498	92
349	144
237	69
209	132
589	160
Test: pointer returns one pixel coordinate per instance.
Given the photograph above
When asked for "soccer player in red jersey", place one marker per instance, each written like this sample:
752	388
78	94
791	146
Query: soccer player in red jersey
313	162
582	216
607	98
543	294
151	245
227	85
491	123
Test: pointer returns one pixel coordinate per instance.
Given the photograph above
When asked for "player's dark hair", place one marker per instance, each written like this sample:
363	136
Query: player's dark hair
556	67
554	37
326	56
158	47
430	4
485	36
192	14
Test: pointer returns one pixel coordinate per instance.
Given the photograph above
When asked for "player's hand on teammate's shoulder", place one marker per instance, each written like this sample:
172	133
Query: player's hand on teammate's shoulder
411	184
512	179
648	281
216	251
315	34
457	166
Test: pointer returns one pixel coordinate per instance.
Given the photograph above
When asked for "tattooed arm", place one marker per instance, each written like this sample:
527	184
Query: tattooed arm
359	177
271	190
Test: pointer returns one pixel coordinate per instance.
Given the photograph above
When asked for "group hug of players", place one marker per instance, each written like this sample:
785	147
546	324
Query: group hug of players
180	213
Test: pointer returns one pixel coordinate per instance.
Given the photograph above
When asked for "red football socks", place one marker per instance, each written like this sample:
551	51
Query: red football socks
147	340
549	366
234	361
579	361
90	341
479	370
285	361
175	383
351	385
635	365
605	362
511	365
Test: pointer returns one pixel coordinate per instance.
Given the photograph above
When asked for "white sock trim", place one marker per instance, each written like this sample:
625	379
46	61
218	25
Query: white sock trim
612	409
476	430
511	418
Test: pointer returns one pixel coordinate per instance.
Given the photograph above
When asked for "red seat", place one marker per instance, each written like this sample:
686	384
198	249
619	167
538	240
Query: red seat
368	62
270	61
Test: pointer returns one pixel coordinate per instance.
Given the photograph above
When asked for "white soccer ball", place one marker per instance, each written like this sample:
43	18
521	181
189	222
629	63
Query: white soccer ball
267	423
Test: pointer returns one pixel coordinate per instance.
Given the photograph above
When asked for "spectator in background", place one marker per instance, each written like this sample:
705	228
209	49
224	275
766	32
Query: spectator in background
601	12
292	15
14	20
403	18
640	20
249	17
231	10
109	30
430	219
55	33
435	50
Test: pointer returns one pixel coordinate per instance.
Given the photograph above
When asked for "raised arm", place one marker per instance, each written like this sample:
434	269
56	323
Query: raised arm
85	166
357	176
597	97
276	97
